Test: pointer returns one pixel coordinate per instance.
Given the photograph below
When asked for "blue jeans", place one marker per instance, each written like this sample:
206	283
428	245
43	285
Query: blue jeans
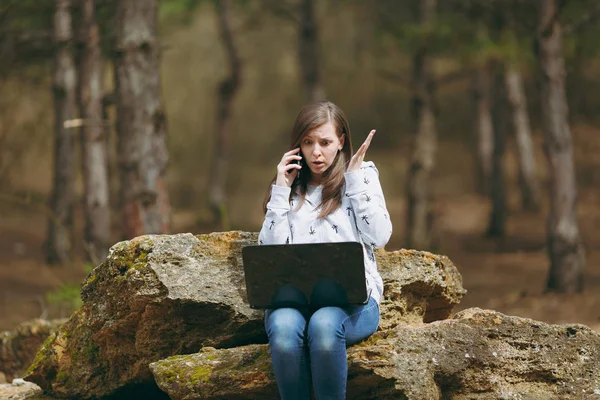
314	346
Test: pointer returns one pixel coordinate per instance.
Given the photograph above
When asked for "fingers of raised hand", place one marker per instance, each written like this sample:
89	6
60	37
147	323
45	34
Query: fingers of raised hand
368	140
362	150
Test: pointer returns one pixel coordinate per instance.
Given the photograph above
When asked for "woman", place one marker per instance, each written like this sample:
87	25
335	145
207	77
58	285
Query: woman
323	193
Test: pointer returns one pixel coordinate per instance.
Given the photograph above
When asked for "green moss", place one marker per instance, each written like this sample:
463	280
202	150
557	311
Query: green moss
132	256
172	372
200	373
169	372
86	350
263	363
377	336
43	355
90	279
62	377
91	351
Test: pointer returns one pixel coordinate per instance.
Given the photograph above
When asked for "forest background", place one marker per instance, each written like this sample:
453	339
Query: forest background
364	62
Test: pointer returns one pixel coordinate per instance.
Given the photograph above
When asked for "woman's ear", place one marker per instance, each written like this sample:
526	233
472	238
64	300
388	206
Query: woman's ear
342	141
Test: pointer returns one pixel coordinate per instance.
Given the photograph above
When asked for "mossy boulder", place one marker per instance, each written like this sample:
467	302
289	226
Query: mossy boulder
479	354
237	373
155	296
158	296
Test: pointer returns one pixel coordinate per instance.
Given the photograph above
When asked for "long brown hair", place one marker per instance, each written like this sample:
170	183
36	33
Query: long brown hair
309	118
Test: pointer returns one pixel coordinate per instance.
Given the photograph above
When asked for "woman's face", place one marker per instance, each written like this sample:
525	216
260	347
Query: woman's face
319	149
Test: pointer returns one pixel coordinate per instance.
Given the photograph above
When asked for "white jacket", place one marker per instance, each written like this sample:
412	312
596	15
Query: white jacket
363	217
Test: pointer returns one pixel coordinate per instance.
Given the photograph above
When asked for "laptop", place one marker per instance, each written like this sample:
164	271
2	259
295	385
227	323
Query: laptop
305	275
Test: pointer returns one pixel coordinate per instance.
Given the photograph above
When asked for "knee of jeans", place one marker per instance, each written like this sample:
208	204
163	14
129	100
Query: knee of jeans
285	345
325	331
285	329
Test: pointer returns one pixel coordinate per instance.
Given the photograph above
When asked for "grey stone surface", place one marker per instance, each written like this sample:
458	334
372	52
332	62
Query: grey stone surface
479	354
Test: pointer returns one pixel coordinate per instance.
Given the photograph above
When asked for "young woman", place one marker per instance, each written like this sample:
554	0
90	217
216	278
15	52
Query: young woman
323	193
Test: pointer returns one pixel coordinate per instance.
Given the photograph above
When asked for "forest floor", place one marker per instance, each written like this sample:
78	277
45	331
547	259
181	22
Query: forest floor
506	274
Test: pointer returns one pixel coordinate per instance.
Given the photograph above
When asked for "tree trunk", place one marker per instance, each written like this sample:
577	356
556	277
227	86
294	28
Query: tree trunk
141	121
222	142
95	169
308	52
484	128
498	212
528	180
59	243
565	247
419	215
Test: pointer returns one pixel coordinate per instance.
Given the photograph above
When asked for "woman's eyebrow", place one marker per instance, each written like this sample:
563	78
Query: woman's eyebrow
310	137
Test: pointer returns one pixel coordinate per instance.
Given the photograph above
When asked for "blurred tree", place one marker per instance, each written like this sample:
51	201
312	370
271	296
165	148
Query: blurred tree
141	121
26	37
500	37
581	31
228	88
565	247
308	52
93	136
498	211
484	128
476	50
515	54
302	13
419	215
59	239
528	179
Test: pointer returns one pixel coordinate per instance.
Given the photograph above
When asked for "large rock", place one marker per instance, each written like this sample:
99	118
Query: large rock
154	297
159	296
19	346
419	287
480	354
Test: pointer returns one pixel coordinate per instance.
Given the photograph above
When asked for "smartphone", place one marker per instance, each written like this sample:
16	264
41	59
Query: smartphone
299	162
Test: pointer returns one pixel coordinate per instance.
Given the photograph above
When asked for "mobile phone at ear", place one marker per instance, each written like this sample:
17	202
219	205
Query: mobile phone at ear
299	162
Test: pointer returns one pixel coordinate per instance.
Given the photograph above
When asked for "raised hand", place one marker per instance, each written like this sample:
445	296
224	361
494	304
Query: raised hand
359	156
287	169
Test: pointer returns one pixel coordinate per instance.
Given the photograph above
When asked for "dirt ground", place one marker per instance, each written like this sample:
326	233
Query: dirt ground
507	274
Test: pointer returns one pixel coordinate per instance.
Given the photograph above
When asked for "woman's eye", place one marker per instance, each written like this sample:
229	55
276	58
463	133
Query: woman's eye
325	143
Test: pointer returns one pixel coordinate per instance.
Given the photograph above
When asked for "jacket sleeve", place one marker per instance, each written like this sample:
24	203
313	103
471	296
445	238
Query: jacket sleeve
276	227
366	197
